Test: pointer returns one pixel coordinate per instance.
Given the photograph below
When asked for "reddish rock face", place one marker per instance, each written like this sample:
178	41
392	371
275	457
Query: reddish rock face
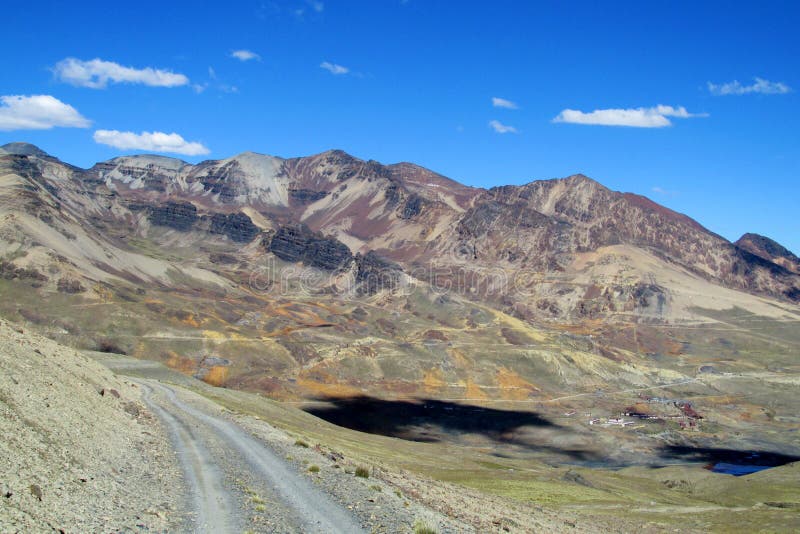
554	219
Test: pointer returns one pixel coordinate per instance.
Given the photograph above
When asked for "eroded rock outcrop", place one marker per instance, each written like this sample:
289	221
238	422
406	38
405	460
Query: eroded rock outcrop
298	243
237	226
375	274
176	215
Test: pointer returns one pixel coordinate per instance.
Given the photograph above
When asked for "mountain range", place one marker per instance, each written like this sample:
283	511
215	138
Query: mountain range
328	273
407	214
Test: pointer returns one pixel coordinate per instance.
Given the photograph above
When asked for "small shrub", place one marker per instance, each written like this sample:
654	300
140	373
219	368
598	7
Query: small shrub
313	469
301	443
260	508
362	472
32	316
109	346
421	527
375	487
69	285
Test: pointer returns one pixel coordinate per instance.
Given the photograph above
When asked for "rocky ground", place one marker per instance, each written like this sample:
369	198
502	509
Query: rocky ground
79	451
268	481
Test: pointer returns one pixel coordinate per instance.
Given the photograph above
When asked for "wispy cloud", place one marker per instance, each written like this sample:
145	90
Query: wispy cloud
245	55
501	128
38	112
759	85
214	83
503	103
149	141
333	68
664	192
655	117
315	5
97	74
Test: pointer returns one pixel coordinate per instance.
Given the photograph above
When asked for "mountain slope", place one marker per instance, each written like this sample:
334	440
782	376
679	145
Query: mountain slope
769	250
79	450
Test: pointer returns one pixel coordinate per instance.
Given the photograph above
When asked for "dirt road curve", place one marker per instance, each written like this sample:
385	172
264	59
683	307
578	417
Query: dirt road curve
231	475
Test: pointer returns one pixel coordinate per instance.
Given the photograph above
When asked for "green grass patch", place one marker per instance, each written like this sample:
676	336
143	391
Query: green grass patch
362	472
422	527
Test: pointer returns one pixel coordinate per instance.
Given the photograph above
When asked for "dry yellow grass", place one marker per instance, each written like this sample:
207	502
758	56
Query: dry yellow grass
512	385
433	381
179	363
473	391
216	376
313	388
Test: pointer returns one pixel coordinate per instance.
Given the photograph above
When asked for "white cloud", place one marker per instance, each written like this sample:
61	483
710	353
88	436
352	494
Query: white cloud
760	85
501	128
38	112
319	7
149	141
655	117
333	68
245	55
96	74
503	103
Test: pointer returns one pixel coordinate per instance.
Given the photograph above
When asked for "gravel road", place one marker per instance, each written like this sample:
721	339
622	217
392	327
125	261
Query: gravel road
236	482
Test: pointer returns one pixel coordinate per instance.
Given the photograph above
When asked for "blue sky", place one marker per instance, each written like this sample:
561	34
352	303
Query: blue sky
415	81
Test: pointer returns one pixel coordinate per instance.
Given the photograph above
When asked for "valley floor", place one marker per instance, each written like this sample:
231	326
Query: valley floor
105	443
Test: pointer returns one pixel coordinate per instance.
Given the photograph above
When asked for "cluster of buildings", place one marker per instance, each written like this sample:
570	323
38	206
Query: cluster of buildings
687	417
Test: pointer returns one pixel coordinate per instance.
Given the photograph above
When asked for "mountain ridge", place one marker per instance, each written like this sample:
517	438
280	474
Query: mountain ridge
413	216
28	149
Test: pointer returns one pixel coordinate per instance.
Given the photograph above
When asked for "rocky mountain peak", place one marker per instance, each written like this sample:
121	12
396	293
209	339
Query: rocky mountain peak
770	250
147	161
23	149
